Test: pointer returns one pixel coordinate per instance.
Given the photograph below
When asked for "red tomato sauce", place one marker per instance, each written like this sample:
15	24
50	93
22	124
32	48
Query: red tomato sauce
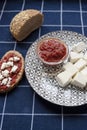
52	50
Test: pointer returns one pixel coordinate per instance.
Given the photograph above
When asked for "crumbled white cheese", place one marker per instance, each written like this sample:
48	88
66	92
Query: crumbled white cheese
16	58
4	81
1	76
9	63
9	81
11	59
3	66
8	85
5	73
14	68
6	64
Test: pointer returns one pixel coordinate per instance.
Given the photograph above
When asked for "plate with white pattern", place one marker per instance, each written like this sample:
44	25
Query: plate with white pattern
43	78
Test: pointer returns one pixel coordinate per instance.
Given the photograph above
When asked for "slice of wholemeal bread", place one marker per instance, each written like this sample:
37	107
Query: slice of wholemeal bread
11	70
25	22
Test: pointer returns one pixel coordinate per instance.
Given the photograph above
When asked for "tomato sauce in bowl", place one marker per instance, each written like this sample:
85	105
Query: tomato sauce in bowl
52	51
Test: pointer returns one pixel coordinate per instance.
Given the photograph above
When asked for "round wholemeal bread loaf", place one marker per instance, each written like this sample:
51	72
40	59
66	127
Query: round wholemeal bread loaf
11	70
25	22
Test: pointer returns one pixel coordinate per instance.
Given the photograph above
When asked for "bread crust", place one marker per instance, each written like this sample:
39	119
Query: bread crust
25	22
19	75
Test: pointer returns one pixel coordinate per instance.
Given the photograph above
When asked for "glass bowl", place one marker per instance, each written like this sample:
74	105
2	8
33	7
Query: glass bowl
52	51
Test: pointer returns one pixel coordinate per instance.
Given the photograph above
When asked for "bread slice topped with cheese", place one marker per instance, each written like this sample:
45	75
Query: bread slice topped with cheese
11	70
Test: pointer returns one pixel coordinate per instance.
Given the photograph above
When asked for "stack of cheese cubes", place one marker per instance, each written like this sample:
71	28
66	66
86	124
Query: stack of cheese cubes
75	70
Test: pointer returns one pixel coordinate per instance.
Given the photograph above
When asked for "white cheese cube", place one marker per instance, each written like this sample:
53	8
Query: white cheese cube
84	71
79	80
5	73
71	68
85	56
67	65
3	66
74	56
80	46
80	64
64	78
14	68
4	81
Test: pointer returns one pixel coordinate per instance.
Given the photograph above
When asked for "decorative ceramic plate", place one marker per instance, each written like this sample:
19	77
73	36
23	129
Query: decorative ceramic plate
43	78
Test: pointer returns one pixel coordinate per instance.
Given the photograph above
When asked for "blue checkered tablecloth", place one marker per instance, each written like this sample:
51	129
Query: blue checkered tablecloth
22	108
